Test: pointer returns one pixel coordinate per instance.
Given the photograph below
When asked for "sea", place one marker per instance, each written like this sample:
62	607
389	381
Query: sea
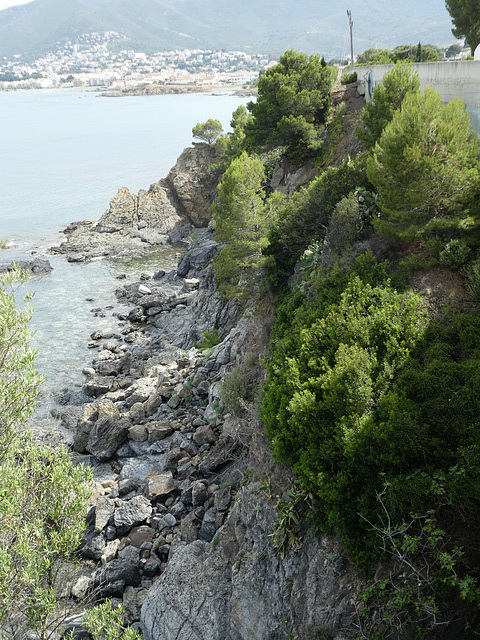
64	154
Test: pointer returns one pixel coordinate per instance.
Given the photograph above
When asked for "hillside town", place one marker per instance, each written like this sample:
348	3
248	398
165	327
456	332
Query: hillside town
96	60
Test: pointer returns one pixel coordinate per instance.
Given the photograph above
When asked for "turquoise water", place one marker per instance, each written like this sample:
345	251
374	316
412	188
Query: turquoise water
63	155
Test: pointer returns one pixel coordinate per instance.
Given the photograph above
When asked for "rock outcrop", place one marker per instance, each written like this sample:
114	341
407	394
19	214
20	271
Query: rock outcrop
163	214
36	267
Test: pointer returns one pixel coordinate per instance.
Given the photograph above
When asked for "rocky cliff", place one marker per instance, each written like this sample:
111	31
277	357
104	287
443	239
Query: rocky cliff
164	214
185	504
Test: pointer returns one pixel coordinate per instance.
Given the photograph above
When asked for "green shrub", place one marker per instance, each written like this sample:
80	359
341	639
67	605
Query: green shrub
424	165
243	217
291	107
209	339
234	390
107	623
328	375
343	228
455	254
43	496
387	99
348	78
306	216
473	279
361	391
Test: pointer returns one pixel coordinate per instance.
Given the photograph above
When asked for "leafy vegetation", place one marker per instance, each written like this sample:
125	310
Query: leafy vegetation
306	215
106	623
413	53
386	100
291	107
42	495
243	216
234	391
370	399
466	19
207	131
425	164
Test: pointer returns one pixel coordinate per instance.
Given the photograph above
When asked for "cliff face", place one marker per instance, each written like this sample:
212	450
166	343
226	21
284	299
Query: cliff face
239	588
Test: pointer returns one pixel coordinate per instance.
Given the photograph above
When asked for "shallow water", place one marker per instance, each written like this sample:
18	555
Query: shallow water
63	155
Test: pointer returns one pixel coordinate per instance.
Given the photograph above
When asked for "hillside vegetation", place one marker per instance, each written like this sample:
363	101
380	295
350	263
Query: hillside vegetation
372	394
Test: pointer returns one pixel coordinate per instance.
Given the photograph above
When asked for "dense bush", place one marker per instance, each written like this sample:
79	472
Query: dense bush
243	217
387	99
291	107
306	216
348	78
425	165
361	392
43	497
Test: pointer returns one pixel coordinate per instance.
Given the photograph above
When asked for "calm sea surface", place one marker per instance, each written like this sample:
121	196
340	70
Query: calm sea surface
63	155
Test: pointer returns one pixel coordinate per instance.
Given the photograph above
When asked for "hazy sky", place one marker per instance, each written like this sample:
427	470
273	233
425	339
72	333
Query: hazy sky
9	3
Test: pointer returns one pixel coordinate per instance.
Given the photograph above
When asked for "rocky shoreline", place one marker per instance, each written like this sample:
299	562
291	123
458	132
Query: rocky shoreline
184	501
161	89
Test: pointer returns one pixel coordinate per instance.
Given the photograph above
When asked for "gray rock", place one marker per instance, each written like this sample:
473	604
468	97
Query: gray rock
243	589
197	257
173	456
199	494
204	435
106	436
173	609
160	484
142	467
208	529
141	537
124	571
132	513
189	527
93	544
128	485
151	567
36	267
104	508
223	497
167	522
98	386
158	431
224	451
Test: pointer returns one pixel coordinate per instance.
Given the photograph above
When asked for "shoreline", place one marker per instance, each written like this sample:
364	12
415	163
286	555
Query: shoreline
147	89
160	89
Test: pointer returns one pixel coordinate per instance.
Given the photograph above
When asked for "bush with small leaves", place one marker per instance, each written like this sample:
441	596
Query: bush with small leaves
43	496
455	254
234	390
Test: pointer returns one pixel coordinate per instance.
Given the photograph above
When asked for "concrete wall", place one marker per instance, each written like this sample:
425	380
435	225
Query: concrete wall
460	78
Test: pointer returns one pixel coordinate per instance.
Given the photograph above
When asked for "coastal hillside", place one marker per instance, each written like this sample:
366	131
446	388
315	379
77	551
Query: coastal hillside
282	435
154	25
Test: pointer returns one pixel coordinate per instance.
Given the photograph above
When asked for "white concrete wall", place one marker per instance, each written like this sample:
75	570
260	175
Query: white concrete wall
459	78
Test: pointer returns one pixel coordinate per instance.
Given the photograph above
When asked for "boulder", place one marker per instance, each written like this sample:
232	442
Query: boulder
111	579
160	484
183	604
104	508
132	513
106	436
36	267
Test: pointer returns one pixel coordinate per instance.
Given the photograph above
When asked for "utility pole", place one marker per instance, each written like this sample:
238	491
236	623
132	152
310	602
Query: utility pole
350	21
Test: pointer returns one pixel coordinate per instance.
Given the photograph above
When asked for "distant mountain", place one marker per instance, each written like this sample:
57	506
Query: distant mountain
269	26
